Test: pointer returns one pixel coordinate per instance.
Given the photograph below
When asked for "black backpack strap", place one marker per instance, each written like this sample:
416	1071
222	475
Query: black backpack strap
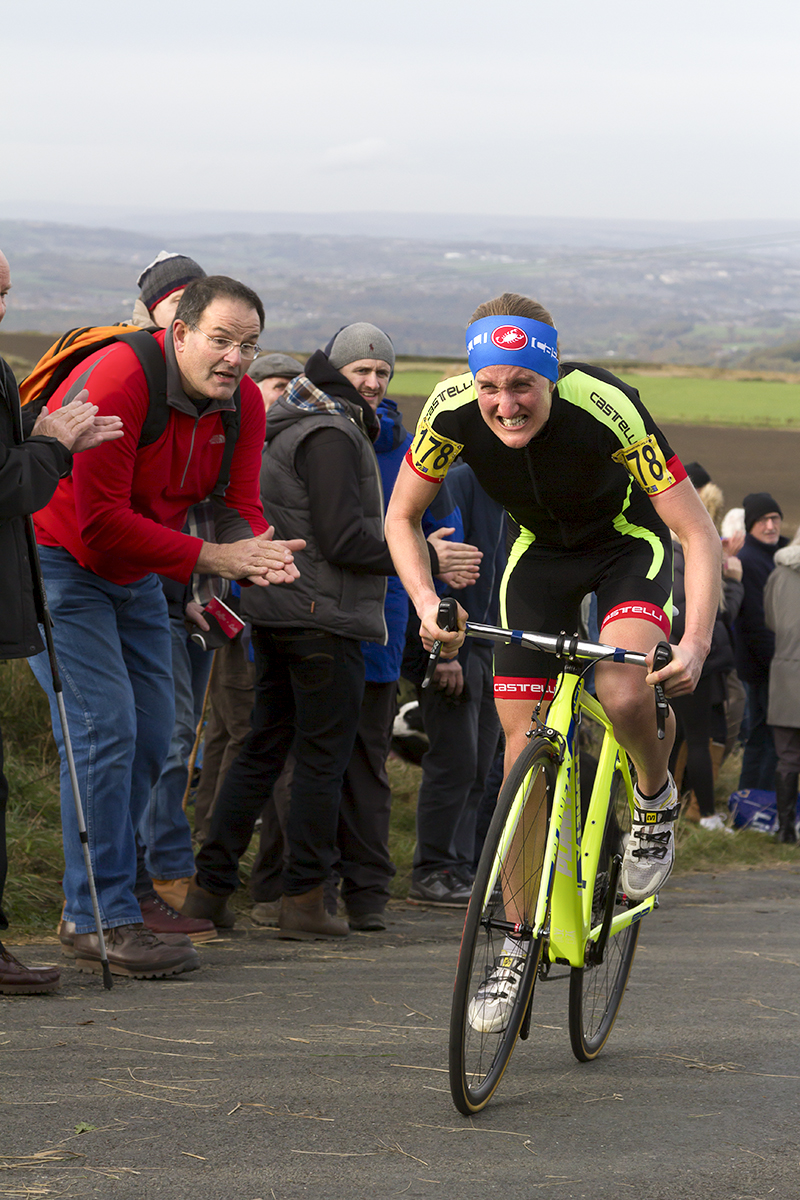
152	361
231	421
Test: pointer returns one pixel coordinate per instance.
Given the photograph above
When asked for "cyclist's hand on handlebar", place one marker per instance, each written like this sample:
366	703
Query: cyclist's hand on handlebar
431	632
679	677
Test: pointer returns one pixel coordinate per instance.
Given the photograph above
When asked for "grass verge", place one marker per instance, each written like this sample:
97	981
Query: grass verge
33	894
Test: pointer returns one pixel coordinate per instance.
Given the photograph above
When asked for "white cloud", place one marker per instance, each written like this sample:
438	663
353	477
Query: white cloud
355	155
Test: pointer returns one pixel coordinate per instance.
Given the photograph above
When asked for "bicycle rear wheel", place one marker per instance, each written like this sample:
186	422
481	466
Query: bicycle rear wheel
487	1016
595	992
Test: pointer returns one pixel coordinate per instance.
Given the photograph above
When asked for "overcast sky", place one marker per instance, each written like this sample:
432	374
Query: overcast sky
620	109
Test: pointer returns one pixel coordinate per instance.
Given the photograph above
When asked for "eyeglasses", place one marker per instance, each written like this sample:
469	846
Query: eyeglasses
224	345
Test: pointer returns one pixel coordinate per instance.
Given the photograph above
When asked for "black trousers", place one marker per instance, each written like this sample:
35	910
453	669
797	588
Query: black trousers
3	850
364	865
308	692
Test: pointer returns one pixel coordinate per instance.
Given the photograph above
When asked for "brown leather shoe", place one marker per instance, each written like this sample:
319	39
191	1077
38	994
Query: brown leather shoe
134	951
205	906
161	919
66	935
173	891
304	917
18	980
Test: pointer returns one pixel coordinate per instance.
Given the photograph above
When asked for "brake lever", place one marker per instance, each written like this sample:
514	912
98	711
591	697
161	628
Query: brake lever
661	656
446	618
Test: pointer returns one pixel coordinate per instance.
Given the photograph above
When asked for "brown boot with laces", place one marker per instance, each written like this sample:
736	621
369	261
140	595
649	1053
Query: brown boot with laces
134	951
304	918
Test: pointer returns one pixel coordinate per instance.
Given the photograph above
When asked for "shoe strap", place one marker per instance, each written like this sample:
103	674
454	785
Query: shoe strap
655	816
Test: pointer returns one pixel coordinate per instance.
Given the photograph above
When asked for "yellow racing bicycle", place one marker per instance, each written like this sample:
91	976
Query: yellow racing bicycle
547	886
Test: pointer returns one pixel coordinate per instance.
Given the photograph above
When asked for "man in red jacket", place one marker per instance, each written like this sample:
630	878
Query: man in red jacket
109	531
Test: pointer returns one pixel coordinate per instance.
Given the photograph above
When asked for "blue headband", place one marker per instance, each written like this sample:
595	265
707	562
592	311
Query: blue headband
515	342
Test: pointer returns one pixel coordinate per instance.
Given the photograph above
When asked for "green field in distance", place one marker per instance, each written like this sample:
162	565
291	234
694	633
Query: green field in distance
682	401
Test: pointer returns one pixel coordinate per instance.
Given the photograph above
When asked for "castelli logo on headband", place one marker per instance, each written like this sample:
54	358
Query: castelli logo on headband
509	337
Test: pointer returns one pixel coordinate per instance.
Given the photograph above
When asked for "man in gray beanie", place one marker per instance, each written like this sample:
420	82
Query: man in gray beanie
273	373
319	478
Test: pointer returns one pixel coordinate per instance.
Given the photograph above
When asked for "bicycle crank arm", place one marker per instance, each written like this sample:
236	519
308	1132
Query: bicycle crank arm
595	951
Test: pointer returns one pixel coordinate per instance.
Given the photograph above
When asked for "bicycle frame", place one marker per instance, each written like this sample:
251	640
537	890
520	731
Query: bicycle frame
572	853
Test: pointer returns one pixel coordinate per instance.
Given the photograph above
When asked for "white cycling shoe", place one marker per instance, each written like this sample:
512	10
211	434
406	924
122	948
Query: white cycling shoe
650	851
491	1006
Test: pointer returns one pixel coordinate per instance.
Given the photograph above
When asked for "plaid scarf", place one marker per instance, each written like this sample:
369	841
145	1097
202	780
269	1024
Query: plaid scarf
302	393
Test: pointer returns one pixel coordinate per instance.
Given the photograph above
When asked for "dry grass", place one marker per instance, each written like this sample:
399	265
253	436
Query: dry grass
33	893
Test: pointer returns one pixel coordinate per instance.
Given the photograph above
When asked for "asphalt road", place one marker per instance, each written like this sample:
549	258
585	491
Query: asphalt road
283	1070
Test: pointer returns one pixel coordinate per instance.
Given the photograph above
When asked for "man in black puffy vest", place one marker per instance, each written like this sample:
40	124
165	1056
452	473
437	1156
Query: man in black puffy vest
320	479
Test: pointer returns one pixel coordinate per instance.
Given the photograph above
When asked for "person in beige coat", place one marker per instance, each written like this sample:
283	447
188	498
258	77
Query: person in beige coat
782	613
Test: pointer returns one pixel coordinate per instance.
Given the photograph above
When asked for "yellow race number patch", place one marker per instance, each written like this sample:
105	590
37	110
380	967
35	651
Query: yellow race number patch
431	454
646	463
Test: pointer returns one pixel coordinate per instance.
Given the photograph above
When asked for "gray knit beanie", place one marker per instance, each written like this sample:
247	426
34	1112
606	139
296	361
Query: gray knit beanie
358	341
167	274
268	365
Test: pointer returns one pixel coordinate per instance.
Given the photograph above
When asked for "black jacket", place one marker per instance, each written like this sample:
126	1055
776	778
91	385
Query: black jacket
29	474
755	644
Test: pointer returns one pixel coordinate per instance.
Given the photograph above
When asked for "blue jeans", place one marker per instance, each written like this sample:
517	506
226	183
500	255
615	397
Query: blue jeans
114	656
164	830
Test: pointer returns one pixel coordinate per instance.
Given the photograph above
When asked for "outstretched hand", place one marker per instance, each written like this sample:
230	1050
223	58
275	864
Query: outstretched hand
260	559
77	425
459	562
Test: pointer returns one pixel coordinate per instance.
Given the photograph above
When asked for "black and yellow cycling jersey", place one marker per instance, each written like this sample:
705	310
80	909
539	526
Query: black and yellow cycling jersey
585	480
580	493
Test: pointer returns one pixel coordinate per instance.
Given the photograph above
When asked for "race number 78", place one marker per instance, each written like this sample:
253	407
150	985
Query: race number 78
646	463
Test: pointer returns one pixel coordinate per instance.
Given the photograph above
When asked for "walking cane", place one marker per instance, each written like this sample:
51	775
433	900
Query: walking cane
198	734
38	579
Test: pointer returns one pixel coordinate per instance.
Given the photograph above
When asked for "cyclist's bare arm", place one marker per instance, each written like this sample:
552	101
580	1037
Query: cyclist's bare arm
684	512
411	496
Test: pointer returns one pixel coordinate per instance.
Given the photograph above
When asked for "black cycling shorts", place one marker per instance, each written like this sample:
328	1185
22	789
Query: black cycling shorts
543	587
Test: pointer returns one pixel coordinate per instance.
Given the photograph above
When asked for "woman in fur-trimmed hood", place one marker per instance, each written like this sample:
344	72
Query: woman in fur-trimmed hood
782	613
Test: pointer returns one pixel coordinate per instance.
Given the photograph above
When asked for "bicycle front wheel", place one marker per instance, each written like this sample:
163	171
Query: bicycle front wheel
499	953
595	992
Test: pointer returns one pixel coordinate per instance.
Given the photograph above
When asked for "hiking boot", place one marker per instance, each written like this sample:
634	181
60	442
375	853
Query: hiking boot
205	906
173	891
440	888
66	935
650	851
161	918
135	952
19	980
304	917
266	912
368	922
491	1006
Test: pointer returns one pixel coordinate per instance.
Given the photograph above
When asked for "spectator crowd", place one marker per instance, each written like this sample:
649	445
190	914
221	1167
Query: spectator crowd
209	523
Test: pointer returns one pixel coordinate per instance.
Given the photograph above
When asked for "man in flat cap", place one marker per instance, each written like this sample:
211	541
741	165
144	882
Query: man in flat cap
273	373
